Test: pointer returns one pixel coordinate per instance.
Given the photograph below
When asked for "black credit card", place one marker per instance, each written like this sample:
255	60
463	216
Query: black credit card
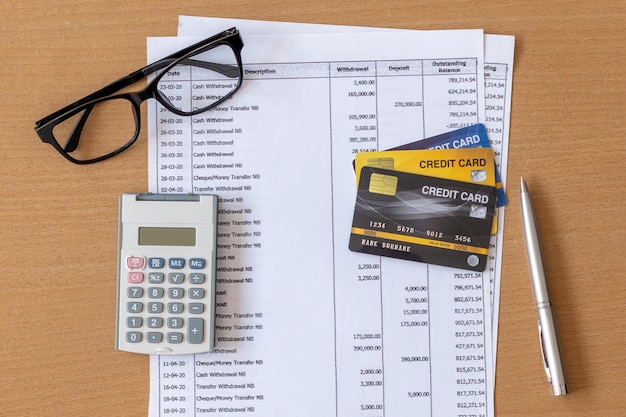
425	219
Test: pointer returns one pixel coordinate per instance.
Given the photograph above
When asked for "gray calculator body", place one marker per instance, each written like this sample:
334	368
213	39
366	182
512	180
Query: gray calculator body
166	273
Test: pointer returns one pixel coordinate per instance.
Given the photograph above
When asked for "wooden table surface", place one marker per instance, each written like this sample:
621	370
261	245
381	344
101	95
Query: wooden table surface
59	220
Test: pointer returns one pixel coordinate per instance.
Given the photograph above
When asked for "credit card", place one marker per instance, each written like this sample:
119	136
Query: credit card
474	136
468	165
475	165
424	219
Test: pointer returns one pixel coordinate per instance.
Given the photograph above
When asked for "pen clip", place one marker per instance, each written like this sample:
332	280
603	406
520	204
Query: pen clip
543	353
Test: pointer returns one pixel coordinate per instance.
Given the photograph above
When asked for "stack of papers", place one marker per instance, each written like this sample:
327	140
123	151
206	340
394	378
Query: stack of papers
306	327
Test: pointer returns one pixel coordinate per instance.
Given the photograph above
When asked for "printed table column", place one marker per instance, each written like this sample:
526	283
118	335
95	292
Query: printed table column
405	286
174	148
495	105
177	376
463	370
450	95
407	343
495	123
354	120
400	102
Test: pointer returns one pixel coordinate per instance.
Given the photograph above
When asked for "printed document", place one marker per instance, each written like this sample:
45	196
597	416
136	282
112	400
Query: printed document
304	326
499	52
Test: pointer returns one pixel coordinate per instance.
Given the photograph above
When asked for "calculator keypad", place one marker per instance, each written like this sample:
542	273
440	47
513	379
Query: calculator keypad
166	300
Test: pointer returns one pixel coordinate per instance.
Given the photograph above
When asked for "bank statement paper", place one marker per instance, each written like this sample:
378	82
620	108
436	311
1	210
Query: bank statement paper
499	55
303	325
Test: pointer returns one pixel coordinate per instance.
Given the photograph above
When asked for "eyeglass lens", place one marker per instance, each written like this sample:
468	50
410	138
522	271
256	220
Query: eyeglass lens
214	74
98	130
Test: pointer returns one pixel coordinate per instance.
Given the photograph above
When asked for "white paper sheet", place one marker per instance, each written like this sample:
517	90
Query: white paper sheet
499	53
306	327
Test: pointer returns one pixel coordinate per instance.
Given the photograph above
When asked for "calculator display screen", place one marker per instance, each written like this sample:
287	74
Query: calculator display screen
167	236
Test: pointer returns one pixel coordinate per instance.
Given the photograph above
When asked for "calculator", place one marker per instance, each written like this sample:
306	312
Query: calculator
166	273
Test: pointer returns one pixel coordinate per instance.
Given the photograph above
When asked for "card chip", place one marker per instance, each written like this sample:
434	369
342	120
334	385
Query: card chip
383	184
384	163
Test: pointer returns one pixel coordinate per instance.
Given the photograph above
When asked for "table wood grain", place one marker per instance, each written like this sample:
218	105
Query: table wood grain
59	220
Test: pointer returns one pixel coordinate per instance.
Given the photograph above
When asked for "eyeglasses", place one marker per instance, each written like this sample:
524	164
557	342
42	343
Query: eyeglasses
83	131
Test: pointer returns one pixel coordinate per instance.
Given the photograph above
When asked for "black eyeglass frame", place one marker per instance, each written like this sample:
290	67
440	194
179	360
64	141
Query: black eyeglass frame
45	126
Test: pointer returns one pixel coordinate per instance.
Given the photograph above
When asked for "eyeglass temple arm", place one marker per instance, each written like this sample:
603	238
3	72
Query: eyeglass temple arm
108	90
226	70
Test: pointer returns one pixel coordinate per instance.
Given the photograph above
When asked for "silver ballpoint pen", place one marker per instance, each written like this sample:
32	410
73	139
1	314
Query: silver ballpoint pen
548	337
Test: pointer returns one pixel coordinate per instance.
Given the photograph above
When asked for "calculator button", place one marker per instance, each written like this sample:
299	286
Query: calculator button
155	307
175	293
155	322
156	277
196	293
177	263
155	292
196	278
134	322
175	323
195	331
175	308
176	278
135	277
156	263
196	308
155	337
134	307
175	337
197	263
133	337
135	292
135	262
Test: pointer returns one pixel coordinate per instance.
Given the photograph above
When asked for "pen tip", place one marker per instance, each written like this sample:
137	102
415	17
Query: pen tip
523	187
